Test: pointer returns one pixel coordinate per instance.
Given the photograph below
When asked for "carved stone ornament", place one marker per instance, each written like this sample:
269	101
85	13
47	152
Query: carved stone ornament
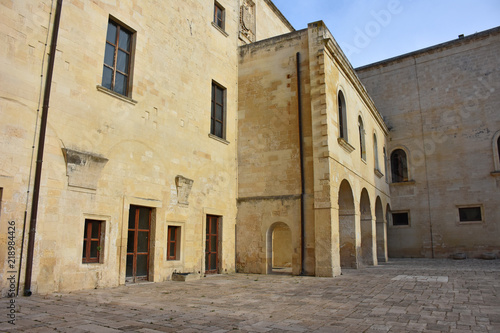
83	169
183	189
247	21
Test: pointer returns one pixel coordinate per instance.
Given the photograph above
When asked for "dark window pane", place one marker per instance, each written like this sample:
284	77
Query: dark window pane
109	55
213	261
124	42
400	219
130	242
144	218
142	265
219	98
142	241
172	231
93	249
171	250
213	243
84	249
111	35
120	84
130	265
218	129
470	214
107	77
218	112
95	229
131	217
122	62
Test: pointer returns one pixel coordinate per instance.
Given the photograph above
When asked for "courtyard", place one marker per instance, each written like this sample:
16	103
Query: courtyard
403	295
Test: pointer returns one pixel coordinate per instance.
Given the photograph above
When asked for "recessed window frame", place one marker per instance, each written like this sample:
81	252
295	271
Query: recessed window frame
128	71
219	16
496	152
342	115
404	173
466	207
89	226
393	219
214	119
362	140
174	234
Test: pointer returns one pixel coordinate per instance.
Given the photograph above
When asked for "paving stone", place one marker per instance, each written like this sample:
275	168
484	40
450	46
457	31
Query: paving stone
363	300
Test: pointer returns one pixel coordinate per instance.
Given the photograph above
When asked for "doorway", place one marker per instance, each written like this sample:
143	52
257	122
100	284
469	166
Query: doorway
139	226
212	261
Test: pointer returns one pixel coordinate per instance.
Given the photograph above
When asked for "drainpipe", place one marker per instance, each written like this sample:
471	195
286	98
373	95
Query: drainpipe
39	157
302	173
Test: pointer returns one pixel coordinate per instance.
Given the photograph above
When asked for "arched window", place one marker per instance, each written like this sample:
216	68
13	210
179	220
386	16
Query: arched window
399	166
342	116
496	152
362	145
498	148
375	151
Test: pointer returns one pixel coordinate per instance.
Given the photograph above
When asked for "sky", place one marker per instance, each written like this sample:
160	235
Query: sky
373	30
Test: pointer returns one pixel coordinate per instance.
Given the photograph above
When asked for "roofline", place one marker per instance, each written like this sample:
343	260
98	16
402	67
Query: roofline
447	44
280	15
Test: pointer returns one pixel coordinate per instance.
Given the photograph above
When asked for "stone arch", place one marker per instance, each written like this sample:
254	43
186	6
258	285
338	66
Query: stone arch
347	227
381	231
367	229
279	248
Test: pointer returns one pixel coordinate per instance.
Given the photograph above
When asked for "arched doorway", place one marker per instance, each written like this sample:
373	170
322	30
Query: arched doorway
367	241
347	227
381	231
279	249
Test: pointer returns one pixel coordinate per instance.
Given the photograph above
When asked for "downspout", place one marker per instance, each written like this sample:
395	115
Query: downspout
39	157
302	173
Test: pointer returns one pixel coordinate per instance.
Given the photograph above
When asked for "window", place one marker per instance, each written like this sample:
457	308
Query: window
218	110
173	243
498	150
92	241
375	151
400	219
117	59
219	14
399	166
470	214
342	116
362	145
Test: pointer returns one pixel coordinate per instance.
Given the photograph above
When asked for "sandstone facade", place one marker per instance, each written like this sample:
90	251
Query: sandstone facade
442	106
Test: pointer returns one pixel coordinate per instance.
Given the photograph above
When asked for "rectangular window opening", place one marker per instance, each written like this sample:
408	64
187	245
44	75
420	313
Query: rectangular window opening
92	241
470	214
401	219
218	112
219	16
118	55
173	243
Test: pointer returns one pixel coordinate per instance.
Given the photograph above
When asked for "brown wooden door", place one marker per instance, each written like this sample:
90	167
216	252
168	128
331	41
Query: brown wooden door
139	224
212	245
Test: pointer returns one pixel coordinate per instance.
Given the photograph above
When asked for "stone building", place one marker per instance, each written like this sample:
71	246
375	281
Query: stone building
443	110
139	175
211	137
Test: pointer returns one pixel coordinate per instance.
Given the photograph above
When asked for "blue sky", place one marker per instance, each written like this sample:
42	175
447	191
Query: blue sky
372	30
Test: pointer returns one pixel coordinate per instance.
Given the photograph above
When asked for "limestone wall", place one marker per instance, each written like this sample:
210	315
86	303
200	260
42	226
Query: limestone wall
441	106
142	142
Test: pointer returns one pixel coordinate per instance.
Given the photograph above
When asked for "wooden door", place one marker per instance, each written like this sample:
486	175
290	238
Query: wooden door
212	245
139	225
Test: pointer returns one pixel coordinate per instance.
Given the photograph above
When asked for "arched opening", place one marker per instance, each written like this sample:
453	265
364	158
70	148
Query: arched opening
381	231
367	226
362	145
498	151
342	116
399	166
347	227
279	249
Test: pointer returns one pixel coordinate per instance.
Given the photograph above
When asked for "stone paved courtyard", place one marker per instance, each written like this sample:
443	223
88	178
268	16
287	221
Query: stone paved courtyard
404	295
